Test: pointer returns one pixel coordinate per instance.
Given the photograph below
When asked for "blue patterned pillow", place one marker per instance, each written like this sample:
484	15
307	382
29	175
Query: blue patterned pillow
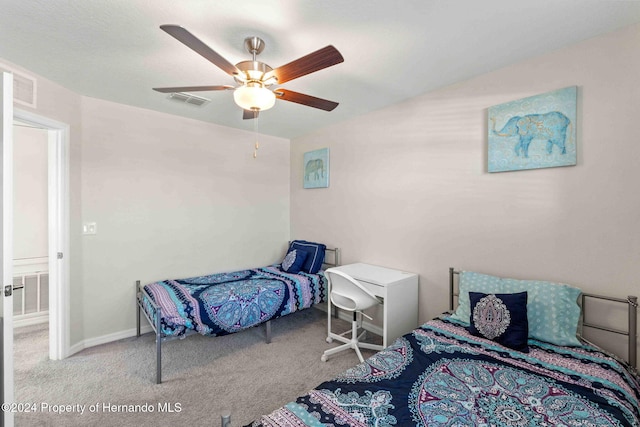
293	261
501	318
315	256
552	308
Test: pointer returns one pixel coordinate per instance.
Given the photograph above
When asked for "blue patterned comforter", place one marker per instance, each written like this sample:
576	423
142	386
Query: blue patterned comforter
224	303
440	375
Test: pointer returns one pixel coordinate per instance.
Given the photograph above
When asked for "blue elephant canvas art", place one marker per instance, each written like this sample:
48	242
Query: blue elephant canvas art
533	133
316	169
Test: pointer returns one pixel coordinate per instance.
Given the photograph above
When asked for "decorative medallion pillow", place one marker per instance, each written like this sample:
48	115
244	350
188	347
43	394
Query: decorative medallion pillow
293	261
501	318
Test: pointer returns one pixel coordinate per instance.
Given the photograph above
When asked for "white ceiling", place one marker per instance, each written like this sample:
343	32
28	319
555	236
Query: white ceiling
393	49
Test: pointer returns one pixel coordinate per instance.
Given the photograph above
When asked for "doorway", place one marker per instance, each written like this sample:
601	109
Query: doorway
56	135
30	246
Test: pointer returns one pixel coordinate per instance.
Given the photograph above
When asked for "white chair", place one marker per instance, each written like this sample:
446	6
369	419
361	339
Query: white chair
349	295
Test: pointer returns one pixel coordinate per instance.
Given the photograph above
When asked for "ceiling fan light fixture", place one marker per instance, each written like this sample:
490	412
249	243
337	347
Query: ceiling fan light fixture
254	96
255	74
269	80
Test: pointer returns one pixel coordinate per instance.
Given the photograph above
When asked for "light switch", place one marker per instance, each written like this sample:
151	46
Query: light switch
89	228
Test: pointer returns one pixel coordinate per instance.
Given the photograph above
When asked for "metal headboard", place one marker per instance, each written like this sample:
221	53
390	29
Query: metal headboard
337	256
632	318
452	291
631	301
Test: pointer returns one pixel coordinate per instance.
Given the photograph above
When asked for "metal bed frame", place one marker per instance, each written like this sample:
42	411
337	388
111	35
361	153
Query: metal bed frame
632	305
156	317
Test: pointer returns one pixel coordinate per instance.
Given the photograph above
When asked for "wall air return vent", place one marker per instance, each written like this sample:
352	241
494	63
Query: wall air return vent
188	98
24	87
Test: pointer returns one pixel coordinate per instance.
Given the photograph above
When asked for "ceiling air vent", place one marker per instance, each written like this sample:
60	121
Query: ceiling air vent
188	98
24	87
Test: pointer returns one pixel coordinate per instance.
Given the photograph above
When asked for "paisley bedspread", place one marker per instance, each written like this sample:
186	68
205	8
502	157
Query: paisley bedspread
225	303
440	375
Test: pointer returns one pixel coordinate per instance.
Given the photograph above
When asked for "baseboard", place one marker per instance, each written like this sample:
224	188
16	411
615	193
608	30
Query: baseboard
30	319
105	339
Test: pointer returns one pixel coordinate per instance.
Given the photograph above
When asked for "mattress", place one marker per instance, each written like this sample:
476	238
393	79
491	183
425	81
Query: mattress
224	303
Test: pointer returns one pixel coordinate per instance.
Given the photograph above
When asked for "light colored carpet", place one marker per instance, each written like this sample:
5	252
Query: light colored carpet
202	376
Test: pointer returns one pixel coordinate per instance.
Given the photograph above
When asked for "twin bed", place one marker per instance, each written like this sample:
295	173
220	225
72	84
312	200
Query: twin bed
225	303
442	374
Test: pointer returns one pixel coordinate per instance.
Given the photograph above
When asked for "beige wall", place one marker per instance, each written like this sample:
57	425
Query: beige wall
172	197
410	189
30	193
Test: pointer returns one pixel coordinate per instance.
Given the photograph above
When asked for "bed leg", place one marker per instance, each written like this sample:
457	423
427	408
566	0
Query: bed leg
226	419
137	309
158	347
267	327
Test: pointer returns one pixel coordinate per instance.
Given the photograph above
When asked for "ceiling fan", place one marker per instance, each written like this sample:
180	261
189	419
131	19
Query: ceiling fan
254	77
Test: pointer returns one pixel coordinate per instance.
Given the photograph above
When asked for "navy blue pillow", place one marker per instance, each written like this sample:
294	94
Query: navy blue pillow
501	318
293	261
315	254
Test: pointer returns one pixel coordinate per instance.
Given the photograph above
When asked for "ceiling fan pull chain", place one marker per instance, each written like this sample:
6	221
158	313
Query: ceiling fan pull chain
255	132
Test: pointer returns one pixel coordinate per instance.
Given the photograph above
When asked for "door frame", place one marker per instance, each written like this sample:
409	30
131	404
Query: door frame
6	248
58	222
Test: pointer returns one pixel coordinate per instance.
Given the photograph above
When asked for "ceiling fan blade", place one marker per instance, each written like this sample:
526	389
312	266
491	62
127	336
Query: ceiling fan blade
192	88
250	114
315	61
308	100
197	45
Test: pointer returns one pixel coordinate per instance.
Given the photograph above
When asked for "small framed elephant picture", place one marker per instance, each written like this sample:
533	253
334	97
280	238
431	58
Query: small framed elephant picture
316	169
534	132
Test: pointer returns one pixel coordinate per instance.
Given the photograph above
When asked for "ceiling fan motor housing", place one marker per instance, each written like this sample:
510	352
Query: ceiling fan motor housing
254	71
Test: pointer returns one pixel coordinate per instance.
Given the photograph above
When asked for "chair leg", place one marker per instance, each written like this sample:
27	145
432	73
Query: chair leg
357	349
335	350
370	346
352	343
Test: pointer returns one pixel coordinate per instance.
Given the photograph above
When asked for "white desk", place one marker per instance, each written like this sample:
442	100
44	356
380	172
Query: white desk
398	289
